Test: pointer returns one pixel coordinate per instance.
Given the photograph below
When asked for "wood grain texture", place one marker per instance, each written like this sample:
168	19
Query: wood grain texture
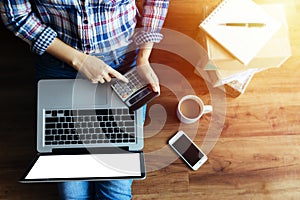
257	155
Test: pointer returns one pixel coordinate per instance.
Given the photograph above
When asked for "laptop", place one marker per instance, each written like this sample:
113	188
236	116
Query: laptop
85	132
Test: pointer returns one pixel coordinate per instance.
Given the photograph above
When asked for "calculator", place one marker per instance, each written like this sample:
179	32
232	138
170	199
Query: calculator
136	92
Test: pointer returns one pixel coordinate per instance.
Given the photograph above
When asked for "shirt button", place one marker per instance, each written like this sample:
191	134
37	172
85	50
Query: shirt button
85	21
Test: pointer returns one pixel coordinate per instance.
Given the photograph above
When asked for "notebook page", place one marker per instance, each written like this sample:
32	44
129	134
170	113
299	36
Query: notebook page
241	41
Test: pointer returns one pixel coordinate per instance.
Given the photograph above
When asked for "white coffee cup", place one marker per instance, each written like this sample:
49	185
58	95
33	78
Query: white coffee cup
190	109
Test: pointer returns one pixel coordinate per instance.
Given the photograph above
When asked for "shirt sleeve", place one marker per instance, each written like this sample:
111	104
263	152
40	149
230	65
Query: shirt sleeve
153	17
18	17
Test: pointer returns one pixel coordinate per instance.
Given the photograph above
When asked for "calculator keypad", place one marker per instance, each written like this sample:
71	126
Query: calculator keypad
125	90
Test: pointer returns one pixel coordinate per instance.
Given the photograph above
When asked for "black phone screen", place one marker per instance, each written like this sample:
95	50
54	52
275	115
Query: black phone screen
188	150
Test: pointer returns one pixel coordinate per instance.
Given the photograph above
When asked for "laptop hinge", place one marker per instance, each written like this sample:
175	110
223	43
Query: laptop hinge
98	150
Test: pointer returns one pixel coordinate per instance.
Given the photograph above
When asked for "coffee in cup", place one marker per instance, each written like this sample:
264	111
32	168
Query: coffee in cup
191	108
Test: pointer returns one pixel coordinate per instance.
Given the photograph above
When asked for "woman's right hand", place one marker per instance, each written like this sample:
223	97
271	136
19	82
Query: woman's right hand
98	71
90	66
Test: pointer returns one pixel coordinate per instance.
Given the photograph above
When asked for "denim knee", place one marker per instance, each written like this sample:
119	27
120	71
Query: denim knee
115	189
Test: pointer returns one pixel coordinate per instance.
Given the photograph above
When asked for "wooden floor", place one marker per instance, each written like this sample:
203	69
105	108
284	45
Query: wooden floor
256	156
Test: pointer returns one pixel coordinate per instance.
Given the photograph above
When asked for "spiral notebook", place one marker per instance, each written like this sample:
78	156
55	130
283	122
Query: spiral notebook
241	27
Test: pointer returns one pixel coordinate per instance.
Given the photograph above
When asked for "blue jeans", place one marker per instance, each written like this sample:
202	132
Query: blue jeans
48	67
104	190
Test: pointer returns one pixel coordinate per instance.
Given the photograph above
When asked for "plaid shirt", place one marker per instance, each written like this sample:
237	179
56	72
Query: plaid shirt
86	25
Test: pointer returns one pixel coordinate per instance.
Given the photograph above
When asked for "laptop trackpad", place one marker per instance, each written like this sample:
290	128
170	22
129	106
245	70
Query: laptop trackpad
86	93
86	167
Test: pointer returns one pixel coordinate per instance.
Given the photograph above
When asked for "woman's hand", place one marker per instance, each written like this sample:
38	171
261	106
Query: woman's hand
98	71
146	72
90	66
144	68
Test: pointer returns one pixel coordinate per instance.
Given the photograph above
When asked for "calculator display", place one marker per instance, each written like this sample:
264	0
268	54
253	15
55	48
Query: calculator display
140	95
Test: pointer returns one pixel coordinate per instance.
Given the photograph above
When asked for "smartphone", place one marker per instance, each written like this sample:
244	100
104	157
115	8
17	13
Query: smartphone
187	150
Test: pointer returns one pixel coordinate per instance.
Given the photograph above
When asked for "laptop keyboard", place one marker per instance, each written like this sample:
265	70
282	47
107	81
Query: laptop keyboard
89	126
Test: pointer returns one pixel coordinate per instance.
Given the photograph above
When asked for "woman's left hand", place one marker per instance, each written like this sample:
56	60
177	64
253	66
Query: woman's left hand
146	72
144	68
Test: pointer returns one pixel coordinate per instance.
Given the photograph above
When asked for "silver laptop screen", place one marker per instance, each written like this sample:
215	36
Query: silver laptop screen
86	166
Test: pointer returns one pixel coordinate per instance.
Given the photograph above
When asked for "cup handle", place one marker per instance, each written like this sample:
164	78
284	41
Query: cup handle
207	109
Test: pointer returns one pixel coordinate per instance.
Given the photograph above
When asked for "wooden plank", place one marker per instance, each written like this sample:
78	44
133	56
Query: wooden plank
164	181
254	166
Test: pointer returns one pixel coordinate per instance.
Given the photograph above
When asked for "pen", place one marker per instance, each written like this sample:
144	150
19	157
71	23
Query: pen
244	24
